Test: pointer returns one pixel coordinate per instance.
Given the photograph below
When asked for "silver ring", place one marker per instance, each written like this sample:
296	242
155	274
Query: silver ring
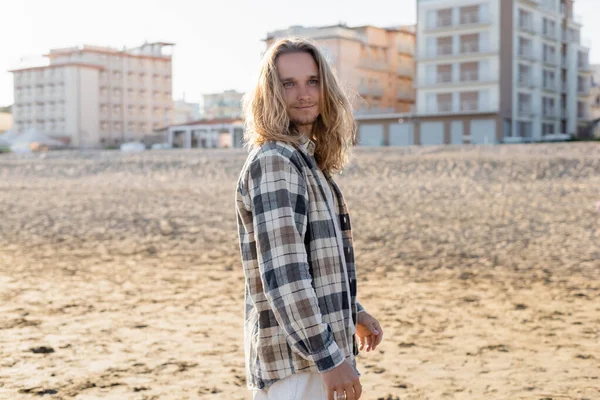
340	396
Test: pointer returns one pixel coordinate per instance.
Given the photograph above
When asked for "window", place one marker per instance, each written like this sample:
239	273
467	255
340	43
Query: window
524	104
469	101
549	80
548	129
444	73
524	129
548	107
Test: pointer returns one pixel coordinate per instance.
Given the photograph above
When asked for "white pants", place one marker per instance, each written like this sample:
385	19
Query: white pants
302	386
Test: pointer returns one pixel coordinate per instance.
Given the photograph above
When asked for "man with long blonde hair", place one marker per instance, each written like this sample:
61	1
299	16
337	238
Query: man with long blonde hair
301	315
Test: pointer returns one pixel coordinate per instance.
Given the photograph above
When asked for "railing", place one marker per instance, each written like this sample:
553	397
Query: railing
444	77
404	47
469	106
405	94
549	113
524	111
469	47
443	22
405	70
444	49
549	33
527	27
469	76
470	18
550	86
550	59
527	53
444	107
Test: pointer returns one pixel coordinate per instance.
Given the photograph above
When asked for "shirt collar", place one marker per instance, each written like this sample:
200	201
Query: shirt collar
308	145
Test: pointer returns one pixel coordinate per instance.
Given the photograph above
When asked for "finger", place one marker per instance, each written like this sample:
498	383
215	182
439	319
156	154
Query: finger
369	342
357	389
362	342
330	394
373	328
350	391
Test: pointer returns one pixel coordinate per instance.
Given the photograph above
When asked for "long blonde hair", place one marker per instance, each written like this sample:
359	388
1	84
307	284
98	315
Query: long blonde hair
266	117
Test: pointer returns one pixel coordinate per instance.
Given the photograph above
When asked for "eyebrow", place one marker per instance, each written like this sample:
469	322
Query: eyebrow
294	80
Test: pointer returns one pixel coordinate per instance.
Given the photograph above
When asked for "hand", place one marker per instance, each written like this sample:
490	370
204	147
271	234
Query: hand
369	331
343	378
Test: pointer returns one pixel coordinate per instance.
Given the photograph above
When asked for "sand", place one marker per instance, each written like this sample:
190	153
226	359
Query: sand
120	274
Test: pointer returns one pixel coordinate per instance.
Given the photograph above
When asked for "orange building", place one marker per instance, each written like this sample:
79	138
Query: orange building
375	65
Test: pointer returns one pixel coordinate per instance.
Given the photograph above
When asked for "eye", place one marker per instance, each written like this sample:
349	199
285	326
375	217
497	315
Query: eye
313	82
288	84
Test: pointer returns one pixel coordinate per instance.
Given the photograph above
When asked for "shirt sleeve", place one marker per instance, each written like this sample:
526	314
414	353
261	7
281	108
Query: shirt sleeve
279	198
359	308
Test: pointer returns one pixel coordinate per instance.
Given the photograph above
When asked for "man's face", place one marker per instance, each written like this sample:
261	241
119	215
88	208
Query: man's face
299	76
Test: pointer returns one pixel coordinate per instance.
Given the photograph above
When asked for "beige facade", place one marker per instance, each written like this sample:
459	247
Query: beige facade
375	65
227	104
93	96
6	121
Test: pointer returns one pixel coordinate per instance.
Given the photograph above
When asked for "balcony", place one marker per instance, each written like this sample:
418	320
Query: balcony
374	91
469	106
404	47
469	47
444	49
583	114
549	33
405	94
584	67
525	111
527	53
550	59
471	18
550	86
444	107
549	113
583	90
469	76
444	77
527	26
443	22
373	64
405	70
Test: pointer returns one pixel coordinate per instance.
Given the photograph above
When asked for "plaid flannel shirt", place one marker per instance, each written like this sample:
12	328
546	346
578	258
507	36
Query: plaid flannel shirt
298	259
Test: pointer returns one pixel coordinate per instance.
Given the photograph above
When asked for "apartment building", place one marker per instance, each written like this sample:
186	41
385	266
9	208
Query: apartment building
594	100
375	65
492	71
227	104
90	96
500	70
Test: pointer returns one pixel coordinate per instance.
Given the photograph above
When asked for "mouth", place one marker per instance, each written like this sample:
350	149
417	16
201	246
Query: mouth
304	107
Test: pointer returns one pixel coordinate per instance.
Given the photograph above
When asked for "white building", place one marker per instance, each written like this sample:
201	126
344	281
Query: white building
207	133
227	104
594	99
500	71
93	96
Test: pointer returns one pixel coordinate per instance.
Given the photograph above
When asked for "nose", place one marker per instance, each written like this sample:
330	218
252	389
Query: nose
303	93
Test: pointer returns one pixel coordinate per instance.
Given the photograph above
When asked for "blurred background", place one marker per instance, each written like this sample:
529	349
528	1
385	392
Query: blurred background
473	192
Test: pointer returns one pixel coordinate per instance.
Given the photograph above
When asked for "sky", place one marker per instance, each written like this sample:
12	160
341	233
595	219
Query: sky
218	43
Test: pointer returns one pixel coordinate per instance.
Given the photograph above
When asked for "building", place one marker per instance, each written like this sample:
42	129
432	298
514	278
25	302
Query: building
594	100
6	121
184	111
492	71
207	133
91	96
227	104
375	66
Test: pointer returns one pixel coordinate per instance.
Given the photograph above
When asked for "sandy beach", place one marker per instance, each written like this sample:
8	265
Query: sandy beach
120	274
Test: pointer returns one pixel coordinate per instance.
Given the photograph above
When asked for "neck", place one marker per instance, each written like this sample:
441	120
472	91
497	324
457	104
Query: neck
306	130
